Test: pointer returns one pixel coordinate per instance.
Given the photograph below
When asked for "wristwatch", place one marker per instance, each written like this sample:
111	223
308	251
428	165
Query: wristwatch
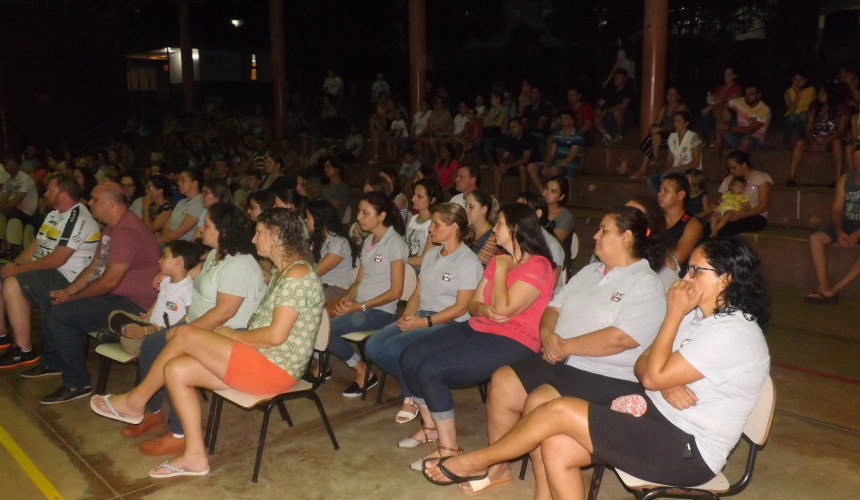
363	308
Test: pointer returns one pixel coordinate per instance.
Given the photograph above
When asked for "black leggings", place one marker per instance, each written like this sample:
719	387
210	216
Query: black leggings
745	225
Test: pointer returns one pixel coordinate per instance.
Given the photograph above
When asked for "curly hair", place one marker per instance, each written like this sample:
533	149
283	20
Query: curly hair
525	228
644	246
747	290
235	231
326	221
289	229
654	248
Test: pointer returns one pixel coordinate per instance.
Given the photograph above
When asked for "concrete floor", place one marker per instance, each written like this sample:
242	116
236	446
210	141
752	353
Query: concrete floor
813	452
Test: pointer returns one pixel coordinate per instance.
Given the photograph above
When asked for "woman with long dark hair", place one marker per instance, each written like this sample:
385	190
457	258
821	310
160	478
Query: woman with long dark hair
330	248
710	343
505	309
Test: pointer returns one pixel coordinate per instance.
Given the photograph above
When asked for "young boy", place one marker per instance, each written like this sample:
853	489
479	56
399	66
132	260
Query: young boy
174	297
733	200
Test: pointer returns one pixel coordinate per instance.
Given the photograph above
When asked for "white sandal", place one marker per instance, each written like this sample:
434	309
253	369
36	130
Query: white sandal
404	416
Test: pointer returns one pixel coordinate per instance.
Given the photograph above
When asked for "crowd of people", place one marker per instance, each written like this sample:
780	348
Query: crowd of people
216	270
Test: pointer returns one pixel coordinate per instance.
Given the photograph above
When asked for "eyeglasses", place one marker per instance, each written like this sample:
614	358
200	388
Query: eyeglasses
693	270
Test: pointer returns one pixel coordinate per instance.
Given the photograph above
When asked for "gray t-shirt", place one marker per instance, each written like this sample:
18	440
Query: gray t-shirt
459	199
731	353
341	274
238	275
564	220
192	207
557	252
376	267
630	298
443	276
339	192
416	235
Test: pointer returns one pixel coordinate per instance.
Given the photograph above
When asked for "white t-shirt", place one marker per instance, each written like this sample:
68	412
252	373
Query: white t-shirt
136	207
376	267
731	353
746	115
682	153
192	207
419	121
332	85
4	175
238	275
341	274
443	276
630	298
459	199
753	183
416	235
75	228
398	128
459	123
23	183
173	299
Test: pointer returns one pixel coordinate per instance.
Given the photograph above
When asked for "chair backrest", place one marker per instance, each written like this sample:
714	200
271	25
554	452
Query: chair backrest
14	231
757	427
410	281
29	235
574	247
324	333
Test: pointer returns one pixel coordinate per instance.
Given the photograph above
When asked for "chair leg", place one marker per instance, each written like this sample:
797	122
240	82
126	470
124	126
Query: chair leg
104	370
216	409
596	480
381	386
316	400
262	442
367	372
524	467
285	415
482	388
203	394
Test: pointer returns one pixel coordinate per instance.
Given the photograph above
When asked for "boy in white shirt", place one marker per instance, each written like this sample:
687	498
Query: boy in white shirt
172	303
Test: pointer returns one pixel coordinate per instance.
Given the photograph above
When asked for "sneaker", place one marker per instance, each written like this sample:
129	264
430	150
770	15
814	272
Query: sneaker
5	341
353	391
40	371
15	357
64	394
617	138
117	320
607	139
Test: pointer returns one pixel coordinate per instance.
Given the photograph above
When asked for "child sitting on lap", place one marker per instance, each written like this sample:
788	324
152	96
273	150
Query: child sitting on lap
733	200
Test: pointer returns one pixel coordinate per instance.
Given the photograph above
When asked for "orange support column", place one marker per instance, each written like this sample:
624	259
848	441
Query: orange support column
417	53
279	70
186	57
653	62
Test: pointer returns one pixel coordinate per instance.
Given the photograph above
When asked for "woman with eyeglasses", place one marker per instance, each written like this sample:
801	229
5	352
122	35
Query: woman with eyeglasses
156	207
701	377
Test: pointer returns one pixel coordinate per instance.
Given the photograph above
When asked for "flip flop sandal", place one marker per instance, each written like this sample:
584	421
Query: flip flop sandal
454	478
175	471
419	465
111	412
820	298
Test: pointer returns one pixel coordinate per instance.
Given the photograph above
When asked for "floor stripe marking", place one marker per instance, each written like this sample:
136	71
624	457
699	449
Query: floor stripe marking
28	466
831	376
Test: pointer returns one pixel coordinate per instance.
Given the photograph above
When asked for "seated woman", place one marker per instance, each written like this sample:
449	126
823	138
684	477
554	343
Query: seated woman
758	189
505	309
330	248
446	166
259	202
427	195
685	151
481	210
710	344
267	358
227	290
336	191
683	231
450	273
660	130
214	191
559	218
371	301
186	213
825	127
156	207
590	342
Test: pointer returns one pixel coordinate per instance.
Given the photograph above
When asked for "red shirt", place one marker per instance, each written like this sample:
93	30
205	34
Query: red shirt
524	327
585	113
445	174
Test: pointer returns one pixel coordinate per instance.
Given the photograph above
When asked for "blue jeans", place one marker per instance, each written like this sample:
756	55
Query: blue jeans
795	124
455	356
388	344
64	326
149	350
372	319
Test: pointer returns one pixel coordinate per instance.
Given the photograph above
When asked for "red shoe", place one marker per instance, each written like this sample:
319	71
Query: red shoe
150	420
165	444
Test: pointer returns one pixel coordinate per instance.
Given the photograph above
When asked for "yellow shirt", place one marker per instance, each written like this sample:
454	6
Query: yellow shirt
807	95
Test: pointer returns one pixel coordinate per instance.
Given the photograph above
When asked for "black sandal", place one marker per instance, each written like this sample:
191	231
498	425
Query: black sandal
455	479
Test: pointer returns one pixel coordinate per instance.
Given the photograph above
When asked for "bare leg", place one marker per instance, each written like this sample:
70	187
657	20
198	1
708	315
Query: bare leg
532	170
837	158
210	349
564	461
796	155
536	398
817	243
567	416
618	114
19	313
184	374
851	275
716	217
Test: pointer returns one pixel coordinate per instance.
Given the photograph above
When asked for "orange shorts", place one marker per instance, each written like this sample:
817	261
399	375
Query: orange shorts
250	371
